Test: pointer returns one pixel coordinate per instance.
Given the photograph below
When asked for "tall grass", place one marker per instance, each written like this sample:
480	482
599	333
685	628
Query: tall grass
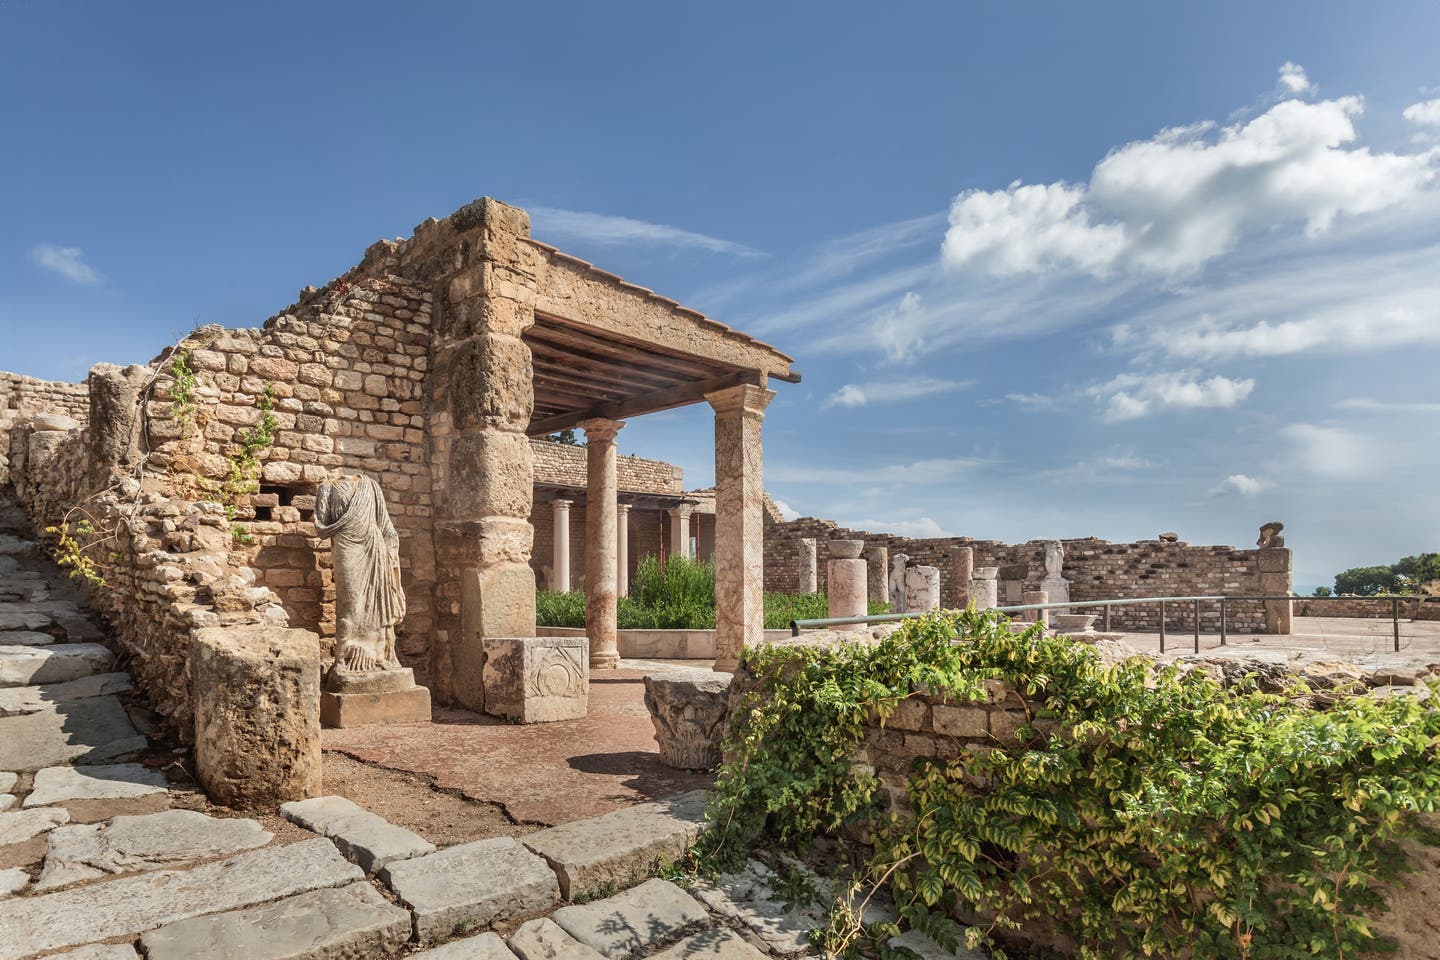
677	595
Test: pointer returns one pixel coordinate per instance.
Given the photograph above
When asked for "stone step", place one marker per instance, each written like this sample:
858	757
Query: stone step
21	666
620	848
133	905
368	839
94	730
128	844
472	885
721	943
622	926
17	826
351	921
114	781
543	939
487	946
26	638
17	700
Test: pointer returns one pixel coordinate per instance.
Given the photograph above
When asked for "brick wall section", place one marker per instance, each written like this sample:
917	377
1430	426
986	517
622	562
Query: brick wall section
22	397
563	465
1097	569
645	538
346	365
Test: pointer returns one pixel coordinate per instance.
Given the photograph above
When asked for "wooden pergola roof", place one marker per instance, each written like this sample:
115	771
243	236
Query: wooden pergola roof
602	369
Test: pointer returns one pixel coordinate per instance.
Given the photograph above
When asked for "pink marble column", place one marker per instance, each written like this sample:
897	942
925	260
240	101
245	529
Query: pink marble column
601	541
739	521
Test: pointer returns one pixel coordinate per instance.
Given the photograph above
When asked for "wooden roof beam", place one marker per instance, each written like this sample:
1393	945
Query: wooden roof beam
653	402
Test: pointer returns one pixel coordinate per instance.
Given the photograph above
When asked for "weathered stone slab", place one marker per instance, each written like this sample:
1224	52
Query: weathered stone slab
99	951
928	949
20	825
128	905
26	638
543	939
472	884
620	848
621	926
721	943
749	896
487	946
12	881
85	731
22	616
17	700
113	781
54	664
349	922
148	842
369	840
8	801
8	779
537	679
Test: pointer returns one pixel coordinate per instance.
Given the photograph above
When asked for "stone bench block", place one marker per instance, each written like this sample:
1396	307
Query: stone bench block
472	885
132	905
257	714
57	663
353	921
689	710
487	946
537	679
622	847
544	940
621	926
368	839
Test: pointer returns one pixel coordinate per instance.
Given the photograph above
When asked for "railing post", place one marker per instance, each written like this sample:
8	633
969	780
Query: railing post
1162	626
1395	613
1223	634
1197	626
1107	618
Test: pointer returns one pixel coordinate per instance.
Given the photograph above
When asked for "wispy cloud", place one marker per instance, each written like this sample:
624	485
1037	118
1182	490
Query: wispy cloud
621	231
1106	468
892	391
68	262
920	528
1383	406
1131	396
1243	484
933	471
787	512
1333	452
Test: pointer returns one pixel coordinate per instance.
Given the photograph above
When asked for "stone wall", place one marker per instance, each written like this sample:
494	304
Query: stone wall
1369	608
563	465
21	397
1097	569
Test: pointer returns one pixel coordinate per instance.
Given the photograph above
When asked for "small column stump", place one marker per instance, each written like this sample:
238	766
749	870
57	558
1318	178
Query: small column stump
689	711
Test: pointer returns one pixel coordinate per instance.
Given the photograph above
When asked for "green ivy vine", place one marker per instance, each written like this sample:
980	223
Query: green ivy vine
1141	812
243	474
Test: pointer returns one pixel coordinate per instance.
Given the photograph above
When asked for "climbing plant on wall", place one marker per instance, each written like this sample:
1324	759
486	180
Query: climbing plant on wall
1141	811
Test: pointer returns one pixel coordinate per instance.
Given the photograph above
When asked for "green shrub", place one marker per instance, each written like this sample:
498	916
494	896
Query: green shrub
554	609
1162	815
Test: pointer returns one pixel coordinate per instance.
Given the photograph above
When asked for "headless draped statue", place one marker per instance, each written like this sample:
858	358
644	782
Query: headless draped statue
369	601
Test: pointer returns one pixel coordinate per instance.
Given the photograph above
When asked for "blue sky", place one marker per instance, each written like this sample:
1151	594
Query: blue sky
1049	270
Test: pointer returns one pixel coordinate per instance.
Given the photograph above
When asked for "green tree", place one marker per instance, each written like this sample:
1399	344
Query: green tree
1418	571
566	437
1365	581
1323	592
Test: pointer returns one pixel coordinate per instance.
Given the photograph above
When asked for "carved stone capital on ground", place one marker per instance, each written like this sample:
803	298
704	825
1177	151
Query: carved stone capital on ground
689	711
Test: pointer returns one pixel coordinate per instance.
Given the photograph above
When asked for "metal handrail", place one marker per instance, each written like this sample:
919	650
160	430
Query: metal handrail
797	625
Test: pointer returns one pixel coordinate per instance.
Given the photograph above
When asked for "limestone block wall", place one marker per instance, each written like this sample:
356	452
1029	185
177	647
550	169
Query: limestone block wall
1370	608
345	367
1097	569
563	465
22	396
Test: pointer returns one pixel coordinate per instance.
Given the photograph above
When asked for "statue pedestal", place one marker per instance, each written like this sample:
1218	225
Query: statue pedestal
377	696
1057	590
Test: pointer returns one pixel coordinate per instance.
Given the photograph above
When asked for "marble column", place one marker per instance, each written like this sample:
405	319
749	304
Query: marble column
680	530
877	570
963	571
922	589
739	521
622	550
600	541
984	589
809	576
560	578
845	581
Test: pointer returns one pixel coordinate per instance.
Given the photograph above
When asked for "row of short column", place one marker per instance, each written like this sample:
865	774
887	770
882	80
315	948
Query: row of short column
560	541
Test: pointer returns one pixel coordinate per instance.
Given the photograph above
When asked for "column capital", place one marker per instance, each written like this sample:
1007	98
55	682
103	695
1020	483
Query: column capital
562	504
622	508
684	511
600	428
745	399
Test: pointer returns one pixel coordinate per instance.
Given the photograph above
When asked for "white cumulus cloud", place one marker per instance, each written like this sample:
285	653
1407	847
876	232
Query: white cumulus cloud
69	262
1170	204
787	512
1130	396
892	391
1426	113
1243	484
1293	81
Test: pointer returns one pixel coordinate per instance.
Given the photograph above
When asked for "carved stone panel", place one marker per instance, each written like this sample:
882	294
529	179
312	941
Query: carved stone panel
536	679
